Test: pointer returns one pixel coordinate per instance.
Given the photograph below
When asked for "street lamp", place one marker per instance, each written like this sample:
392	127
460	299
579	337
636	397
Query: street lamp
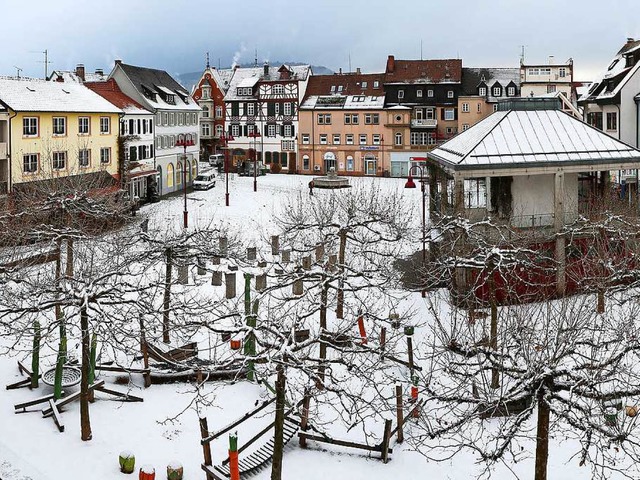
255	136
185	141
225	138
421	170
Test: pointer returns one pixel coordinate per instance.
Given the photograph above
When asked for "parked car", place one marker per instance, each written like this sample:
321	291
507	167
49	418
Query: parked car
205	180
245	169
216	160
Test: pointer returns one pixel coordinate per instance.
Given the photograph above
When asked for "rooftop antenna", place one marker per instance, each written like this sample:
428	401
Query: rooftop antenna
219	63
420	49
46	63
349	62
256	58
18	70
208	60
522	55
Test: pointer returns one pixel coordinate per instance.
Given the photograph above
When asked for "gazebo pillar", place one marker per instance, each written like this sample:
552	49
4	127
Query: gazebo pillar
458	196
558	224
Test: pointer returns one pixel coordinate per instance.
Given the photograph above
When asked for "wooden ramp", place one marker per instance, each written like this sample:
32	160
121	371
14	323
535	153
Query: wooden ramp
259	459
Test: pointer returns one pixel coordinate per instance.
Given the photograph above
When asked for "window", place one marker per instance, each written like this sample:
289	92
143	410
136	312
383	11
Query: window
271	130
205	130
59	125
367	119
179	172
511	91
336	139
235	130
482	91
205	112
276	108
59	160
429	93
497	91
287	108
287	130
400	94
305	139
83	158
278	89
323	139
449	93
465	107
105	155
355	119
218	111
159	118
206	93
562	72
250	129
421	138
219	130
105	125
83	125
288	145
333	89
364	84
612	121
324	119
305	162
30	163
551	88
449	114
375	119
376	84
465	126
165	118
375	139
172	119
170	175
348	139
479	108
363	139
495	107
30	126
398	139
419	93
350	163
339	88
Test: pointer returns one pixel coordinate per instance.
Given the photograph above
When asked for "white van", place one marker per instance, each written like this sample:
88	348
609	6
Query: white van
205	180
216	160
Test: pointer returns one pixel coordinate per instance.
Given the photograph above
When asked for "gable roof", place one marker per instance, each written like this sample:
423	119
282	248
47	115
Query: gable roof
473	77
350	83
160	83
110	91
34	95
73	77
249	76
532	138
423	71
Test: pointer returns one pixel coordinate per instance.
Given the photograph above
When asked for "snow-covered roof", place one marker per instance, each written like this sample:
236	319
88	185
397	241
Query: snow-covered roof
34	95
531	138
248	82
110	91
344	102
249	76
472	78
73	77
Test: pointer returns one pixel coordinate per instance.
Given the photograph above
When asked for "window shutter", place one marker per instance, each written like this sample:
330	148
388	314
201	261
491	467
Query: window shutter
271	108
282	130
455	114
442	114
293	131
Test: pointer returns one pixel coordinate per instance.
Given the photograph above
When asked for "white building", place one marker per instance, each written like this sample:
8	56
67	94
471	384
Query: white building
541	79
177	116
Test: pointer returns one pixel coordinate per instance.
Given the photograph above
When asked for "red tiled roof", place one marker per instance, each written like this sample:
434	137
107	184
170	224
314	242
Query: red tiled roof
111	92
423	71
351	84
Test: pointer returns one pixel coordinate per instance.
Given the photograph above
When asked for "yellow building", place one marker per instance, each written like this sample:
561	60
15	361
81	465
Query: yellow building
52	130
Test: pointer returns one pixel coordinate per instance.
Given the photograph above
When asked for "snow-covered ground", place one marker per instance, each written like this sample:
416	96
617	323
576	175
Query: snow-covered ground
32	448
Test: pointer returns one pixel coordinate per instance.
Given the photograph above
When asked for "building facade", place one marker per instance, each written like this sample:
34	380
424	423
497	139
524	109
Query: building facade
547	78
50	130
262	114
177	117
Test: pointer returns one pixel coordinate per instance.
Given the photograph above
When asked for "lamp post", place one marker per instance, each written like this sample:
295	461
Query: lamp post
225	139
185	141
255	136
421	170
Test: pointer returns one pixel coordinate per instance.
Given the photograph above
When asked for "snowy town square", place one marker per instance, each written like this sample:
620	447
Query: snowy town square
320	240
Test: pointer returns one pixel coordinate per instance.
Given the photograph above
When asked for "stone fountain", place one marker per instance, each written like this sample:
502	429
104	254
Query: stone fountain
331	180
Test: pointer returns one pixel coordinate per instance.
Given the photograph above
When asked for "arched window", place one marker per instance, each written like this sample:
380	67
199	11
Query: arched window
179	173
205	112
170	175
305	162
194	170
398	138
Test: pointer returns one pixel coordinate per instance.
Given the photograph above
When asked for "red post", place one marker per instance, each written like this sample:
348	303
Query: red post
414	397
233	457
363	333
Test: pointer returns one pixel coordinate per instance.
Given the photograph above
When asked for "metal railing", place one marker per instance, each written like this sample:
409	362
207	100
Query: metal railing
423	122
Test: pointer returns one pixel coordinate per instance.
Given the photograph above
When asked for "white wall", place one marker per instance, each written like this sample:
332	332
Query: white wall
534	195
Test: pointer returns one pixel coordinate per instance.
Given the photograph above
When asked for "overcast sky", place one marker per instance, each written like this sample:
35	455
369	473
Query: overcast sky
174	35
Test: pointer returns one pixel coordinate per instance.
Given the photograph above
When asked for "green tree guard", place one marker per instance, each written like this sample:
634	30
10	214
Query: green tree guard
92	358
57	385
63	334
250	341
35	355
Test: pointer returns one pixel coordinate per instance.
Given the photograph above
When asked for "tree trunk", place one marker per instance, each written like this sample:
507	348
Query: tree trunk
542	438
167	297
323	329
278	435
341	254
85	421
493	339
69	269
58	309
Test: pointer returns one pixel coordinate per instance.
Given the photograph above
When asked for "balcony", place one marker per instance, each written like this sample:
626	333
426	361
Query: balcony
3	150
423	123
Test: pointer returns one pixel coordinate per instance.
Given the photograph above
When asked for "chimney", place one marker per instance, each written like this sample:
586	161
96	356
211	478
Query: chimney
358	70
340	71
99	71
391	64
118	62
630	39
80	71
551	59
266	69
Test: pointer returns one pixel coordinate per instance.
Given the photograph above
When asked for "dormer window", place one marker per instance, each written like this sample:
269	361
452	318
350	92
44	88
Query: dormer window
497	91
333	89
339	88
511	91
449	93
376	84
419	93
170	99
482	91
278	89
244	91
613	64
400	94
364	84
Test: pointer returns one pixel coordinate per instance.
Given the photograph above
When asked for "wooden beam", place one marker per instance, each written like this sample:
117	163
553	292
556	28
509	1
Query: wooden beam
247	415
109	368
386	438
56	415
212	474
127	397
47	412
206	449
24	370
22	383
343	443
23	406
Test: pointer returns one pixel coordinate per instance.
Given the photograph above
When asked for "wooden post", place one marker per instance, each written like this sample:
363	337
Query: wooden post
304	420
206	448
410	351
216	276
323	329
385	441
306	262
145	353
383	341
600	306
341	255
202	266
230	284
35	355
286	256
558	224
166	304
399	413
493	339
251	253
275	245
224	246
278	427
319	252
333	259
